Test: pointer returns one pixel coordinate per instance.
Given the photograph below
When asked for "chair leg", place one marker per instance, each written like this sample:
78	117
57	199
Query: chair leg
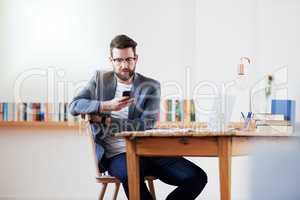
151	188
102	191
116	191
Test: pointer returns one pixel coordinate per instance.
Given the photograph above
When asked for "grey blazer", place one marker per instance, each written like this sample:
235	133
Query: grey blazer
142	113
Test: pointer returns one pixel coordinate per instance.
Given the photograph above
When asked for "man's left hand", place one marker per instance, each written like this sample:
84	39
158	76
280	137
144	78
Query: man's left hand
98	119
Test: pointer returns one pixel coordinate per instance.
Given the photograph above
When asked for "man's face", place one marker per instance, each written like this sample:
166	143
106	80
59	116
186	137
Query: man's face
124	62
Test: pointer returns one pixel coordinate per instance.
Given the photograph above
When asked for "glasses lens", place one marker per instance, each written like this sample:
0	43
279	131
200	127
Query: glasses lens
119	61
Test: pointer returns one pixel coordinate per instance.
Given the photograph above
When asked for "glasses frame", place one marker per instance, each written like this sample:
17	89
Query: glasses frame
128	60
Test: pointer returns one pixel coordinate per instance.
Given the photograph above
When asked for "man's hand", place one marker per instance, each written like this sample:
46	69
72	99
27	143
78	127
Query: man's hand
115	104
98	119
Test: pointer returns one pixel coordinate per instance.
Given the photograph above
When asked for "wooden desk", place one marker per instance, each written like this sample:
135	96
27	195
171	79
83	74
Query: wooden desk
207	144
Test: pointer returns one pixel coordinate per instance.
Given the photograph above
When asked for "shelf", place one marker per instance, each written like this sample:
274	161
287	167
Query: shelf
42	124
39	124
70	125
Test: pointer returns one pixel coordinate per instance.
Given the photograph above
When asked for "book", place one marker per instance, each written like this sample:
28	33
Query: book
60	112
10	111
1	111
56	115
5	111
274	128
42	112
273	123
173	110
169	115
35	111
268	116
66	110
29	112
285	107
16	112
178	110
165	110
49	115
187	110
24	112
192	111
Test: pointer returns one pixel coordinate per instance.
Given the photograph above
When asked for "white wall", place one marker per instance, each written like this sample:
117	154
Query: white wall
279	43
202	38
46	164
225	31
74	36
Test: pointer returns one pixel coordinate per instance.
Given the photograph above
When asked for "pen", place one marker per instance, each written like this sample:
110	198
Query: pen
243	115
249	115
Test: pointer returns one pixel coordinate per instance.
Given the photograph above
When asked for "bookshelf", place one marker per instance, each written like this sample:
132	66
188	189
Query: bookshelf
75	125
43	124
38	125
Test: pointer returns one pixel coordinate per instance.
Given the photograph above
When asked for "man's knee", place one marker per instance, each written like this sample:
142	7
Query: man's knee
203	175
122	176
200	178
197	178
120	173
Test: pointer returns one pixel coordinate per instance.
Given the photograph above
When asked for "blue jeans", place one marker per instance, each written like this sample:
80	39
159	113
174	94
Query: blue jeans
176	171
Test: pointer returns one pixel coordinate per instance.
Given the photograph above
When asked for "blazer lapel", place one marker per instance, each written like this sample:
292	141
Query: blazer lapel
108	86
134	92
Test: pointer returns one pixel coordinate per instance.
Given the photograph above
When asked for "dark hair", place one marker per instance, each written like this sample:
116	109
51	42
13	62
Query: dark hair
122	42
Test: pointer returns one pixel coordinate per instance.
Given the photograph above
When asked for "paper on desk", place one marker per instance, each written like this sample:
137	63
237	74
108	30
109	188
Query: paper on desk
184	130
180	130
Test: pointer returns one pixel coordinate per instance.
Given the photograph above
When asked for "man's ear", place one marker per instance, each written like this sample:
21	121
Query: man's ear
136	57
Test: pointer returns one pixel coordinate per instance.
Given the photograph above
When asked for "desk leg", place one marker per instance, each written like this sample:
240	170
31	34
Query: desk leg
133	170
224	151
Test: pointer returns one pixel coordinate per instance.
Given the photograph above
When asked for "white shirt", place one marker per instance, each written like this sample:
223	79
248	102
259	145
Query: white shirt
123	113
114	146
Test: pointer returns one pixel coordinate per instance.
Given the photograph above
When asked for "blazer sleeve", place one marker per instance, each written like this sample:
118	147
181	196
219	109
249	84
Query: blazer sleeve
85	102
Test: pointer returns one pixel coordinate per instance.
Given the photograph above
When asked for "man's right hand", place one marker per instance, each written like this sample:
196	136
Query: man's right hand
115	104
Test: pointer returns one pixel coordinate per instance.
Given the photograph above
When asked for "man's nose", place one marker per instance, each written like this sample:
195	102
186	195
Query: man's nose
124	64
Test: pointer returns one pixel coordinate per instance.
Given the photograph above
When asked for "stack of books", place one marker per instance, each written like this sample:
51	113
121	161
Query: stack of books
272	123
35	111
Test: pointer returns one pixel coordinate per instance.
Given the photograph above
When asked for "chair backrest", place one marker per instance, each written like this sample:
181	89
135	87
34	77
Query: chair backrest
85	128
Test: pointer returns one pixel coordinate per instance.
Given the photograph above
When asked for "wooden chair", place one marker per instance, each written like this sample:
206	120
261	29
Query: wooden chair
104	178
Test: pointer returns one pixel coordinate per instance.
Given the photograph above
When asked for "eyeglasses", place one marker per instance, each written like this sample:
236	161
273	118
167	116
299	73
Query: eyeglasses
119	61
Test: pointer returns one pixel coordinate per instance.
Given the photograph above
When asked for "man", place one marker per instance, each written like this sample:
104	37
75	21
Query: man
102	99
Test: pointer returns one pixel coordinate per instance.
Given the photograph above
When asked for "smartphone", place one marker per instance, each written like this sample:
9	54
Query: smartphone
126	94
